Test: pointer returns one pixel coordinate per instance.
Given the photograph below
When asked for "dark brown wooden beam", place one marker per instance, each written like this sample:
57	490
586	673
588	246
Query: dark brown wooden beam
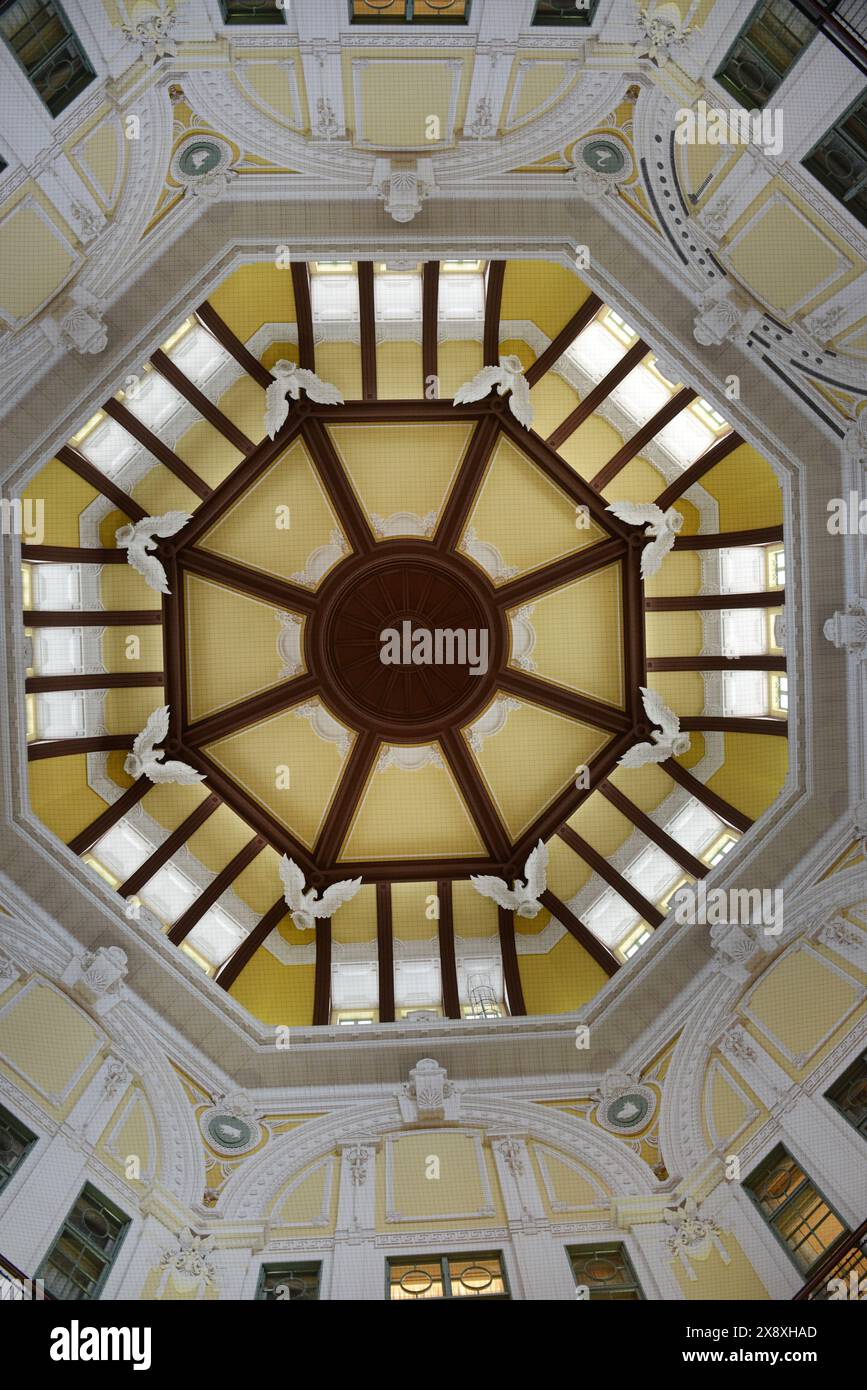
219	329
734	724
250	710
560	473
303	315
583	935
567	702
250	945
725	540
634	634
564	339
430	290
512	987
154	445
172	373
696	471
71	555
410	870
448	962
758	662
493	305
242	477
460	500
385	952
69	747
353	780
215	889
251	812
367	315
654	832
337	485
102	617
268	587
109	680
322	979
763	598
594	398
170	845
720	807
679	401
408	409
476	794
174	648
91	475
559	572
88	837
643	906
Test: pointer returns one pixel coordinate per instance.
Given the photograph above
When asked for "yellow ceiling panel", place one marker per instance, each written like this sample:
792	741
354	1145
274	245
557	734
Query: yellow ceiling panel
254	295
380	461
526	517
160	491
253	531
411	907
399	374
457	362
340	363
221	837
532	759
411	815
473	914
221	620
546	294
257	759
64	497
579	641
552	399
356	920
561	980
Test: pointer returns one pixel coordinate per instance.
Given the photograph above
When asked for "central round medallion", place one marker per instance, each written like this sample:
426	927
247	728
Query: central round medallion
407	641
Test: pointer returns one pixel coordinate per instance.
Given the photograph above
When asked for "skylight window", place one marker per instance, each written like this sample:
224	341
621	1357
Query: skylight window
618	327
397	297
334	296
152	399
596	350
742	569
635	943
642	393
745	693
122	850
462	296
109	447
169	893
57	651
60	714
56	586
215	937
686	437
197	353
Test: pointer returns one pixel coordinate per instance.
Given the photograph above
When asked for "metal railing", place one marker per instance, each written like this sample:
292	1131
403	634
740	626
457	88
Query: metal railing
849	1252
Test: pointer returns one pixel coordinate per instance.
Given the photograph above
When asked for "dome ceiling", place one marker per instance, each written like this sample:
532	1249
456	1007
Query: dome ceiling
366	524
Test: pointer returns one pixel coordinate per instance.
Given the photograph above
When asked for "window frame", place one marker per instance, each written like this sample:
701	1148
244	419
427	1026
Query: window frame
289	1270
860	1127
447	1295
126	1222
835	128
71	37
233	22
565	20
742	37
771	1223
602	1248
25	1133
409	17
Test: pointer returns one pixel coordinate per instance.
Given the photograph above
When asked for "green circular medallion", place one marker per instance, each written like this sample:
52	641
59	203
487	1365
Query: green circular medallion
603	156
